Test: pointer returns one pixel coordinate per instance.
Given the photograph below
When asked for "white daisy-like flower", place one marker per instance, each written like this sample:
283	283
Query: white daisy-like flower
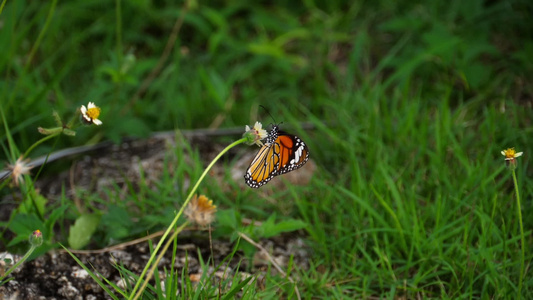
90	114
510	157
255	134
511	154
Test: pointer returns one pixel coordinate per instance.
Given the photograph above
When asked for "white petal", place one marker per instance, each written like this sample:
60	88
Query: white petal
518	154
97	122
83	109
91	105
86	117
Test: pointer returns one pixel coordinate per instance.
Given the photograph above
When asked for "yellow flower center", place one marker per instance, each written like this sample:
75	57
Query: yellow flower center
510	153
93	112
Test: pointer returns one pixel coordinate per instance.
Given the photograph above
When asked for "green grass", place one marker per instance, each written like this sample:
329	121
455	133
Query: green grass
411	104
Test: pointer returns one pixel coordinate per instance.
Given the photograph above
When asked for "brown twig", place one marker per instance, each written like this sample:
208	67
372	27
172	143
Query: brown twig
125	244
118	246
210	133
271	259
149	237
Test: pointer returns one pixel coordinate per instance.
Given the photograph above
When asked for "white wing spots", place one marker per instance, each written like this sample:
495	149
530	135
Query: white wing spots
295	152
297	160
298	153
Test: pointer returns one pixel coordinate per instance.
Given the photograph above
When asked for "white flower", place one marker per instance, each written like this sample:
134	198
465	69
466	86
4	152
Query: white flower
256	134
19	169
90	114
511	154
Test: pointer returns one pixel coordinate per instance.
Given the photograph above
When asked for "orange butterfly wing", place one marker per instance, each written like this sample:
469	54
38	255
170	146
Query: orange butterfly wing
262	167
293	154
281	154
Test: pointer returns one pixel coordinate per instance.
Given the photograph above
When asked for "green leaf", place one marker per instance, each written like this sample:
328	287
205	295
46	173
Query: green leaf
51	220
23	225
69	132
237	288
81	232
228	222
270	228
117	223
30	203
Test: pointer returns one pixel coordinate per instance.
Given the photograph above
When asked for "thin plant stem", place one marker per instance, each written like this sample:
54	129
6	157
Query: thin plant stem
10	141
2	6
273	262
180	212
41	34
211	247
70	126
46	138
522	238
159	257
18	263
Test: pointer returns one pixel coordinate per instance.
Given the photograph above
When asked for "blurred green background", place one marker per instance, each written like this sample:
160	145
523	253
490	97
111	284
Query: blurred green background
411	104
229	57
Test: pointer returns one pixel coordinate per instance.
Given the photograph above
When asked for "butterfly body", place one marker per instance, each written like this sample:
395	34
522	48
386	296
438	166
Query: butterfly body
281	153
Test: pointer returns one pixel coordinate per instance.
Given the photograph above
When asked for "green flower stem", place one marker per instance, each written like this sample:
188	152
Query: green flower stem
159	257
522	238
18	263
46	138
180	212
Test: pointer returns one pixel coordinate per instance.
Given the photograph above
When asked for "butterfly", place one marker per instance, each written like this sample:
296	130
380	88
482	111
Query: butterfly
281	154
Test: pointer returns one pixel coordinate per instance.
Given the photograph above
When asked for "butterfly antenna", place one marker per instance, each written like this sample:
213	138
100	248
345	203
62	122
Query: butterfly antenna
268	113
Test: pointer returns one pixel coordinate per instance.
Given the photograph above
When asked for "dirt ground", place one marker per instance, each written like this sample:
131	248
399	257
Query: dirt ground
56	275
